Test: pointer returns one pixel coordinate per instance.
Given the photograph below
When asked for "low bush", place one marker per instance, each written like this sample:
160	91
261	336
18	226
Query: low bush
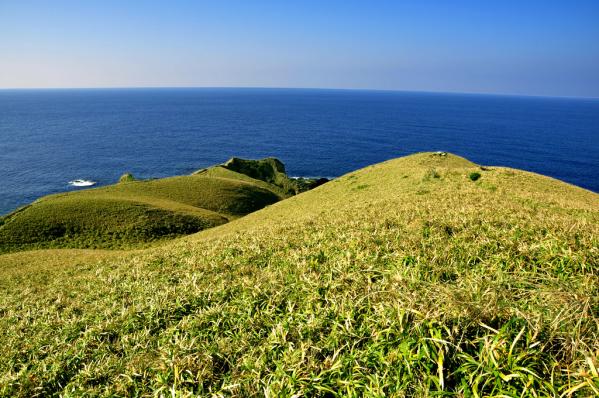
474	176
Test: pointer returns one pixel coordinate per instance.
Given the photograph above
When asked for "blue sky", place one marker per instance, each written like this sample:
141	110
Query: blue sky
514	47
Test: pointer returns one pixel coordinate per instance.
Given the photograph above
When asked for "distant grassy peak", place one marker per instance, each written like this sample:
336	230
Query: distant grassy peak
272	170
434	159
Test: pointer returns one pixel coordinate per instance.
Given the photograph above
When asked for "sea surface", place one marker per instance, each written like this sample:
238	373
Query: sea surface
49	137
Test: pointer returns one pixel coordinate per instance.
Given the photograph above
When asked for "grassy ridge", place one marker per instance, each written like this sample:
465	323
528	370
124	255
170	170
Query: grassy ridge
406	278
269	170
134	212
98	222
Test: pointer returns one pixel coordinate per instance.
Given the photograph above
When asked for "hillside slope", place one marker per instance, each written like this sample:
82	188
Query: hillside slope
269	170
135	212
401	279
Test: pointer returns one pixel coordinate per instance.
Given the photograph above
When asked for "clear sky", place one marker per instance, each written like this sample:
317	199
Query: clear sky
532	47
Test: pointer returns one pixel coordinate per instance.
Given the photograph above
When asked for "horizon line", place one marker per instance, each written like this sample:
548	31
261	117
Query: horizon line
501	94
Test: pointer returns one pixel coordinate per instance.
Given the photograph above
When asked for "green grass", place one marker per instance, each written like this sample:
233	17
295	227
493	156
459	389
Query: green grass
385	282
272	171
133	213
97	222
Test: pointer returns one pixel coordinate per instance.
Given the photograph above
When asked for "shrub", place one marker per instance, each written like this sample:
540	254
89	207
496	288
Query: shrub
127	177
474	176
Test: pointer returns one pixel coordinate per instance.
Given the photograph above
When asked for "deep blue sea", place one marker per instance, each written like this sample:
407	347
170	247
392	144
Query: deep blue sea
49	137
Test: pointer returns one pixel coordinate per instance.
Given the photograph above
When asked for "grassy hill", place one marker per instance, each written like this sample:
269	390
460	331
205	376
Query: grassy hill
272	171
136	212
269	170
413	277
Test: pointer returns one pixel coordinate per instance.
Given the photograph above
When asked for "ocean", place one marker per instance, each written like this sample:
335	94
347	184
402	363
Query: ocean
50	137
